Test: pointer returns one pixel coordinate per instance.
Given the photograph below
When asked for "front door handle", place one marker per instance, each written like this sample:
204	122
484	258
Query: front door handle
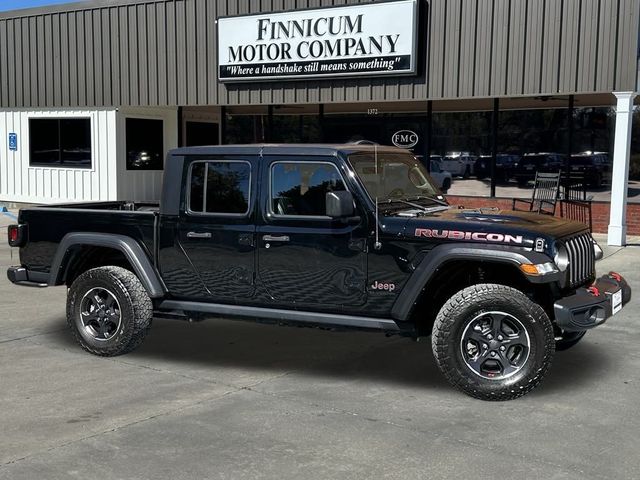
198	235
275	238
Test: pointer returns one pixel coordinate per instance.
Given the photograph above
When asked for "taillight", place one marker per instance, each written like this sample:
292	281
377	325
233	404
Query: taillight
16	235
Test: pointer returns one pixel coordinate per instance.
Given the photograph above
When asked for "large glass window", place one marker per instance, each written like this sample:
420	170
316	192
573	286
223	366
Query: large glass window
60	142
539	140
530	141
592	153
145	144
295	129
246	125
220	187
301	188
460	149
201	133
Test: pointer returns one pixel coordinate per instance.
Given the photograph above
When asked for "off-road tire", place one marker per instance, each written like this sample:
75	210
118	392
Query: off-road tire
568	340
461	310
135	309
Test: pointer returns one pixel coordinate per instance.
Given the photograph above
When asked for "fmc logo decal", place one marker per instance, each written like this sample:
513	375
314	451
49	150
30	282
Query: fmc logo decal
477	236
405	139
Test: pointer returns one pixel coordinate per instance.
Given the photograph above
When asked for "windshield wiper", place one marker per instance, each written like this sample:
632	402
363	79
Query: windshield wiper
405	202
427	197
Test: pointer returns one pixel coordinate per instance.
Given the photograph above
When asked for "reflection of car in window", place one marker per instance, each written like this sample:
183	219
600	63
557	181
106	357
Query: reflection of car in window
505	164
531	163
593	168
441	177
461	164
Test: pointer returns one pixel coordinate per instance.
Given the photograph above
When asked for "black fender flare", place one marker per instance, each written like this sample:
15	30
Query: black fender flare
131	249
441	254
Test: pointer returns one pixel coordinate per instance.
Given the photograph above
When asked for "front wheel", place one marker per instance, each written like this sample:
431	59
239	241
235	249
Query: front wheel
108	311
492	342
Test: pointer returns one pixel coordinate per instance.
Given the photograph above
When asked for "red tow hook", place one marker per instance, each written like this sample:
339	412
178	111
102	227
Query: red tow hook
616	276
593	290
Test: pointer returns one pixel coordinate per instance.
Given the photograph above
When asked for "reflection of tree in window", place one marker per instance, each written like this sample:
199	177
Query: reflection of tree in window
196	197
300	189
227	187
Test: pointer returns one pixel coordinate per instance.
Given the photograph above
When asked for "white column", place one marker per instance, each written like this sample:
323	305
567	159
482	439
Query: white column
620	172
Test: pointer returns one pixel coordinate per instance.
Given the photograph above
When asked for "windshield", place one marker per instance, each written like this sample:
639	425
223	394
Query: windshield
396	176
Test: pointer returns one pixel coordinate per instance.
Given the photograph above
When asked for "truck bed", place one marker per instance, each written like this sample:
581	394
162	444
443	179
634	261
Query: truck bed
48	225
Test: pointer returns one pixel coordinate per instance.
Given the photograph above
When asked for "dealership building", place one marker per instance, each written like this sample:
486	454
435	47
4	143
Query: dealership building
94	94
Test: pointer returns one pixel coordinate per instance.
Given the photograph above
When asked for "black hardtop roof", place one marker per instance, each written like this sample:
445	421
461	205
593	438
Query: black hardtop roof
309	149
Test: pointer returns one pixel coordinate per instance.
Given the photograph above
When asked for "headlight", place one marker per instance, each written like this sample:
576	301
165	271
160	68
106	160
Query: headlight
597	250
561	258
539	268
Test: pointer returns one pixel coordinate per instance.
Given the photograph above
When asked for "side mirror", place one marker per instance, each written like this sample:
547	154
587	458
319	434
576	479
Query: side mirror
339	204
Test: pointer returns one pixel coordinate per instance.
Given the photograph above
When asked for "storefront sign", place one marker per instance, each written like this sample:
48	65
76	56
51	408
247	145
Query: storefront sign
358	40
13	142
405	139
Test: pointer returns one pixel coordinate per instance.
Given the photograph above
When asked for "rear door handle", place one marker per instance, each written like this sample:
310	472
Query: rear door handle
275	238
198	235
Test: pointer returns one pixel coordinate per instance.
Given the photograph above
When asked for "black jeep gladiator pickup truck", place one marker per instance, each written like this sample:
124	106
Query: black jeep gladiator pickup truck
330	236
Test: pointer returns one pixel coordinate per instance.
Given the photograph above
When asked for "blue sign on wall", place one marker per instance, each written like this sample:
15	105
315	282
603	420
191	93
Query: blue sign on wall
13	141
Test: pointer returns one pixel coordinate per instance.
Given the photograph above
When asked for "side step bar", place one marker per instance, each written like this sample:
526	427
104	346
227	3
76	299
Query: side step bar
222	310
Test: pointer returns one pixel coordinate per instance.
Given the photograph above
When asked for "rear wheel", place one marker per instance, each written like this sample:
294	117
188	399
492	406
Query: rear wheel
108	311
492	342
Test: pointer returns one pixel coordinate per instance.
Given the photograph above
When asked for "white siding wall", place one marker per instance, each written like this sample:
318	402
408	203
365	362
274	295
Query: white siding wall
20	182
144	184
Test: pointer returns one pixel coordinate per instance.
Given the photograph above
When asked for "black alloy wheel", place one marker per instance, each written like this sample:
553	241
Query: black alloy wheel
100	314
495	345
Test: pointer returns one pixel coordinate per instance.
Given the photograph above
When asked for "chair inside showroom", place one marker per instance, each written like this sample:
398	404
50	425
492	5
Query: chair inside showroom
546	190
575	204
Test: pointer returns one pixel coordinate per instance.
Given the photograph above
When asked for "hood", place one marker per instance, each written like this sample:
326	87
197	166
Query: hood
487	226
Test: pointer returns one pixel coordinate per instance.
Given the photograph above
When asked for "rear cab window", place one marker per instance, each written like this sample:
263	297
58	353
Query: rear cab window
219	187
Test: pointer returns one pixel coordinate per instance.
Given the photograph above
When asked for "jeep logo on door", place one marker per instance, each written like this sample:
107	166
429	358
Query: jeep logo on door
405	139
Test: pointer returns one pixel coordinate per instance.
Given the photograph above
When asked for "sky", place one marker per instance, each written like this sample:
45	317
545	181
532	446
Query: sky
18	4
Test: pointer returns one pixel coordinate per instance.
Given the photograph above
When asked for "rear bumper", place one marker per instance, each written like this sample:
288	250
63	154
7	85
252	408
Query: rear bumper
590	307
21	276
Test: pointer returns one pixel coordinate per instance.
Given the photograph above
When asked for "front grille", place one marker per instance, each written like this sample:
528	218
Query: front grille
582	259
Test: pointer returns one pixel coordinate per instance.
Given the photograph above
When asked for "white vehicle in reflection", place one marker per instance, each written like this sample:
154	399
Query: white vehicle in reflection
441	178
460	164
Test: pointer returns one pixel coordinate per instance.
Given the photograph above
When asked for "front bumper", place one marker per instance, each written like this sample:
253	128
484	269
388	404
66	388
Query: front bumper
590	307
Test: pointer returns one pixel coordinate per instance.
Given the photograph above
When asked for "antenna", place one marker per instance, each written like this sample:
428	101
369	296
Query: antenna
377	245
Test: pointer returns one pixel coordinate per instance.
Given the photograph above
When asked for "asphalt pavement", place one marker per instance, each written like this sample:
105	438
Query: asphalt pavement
236	400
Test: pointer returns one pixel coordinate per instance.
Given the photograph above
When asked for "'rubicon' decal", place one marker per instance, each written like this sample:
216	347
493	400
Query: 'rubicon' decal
477	236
